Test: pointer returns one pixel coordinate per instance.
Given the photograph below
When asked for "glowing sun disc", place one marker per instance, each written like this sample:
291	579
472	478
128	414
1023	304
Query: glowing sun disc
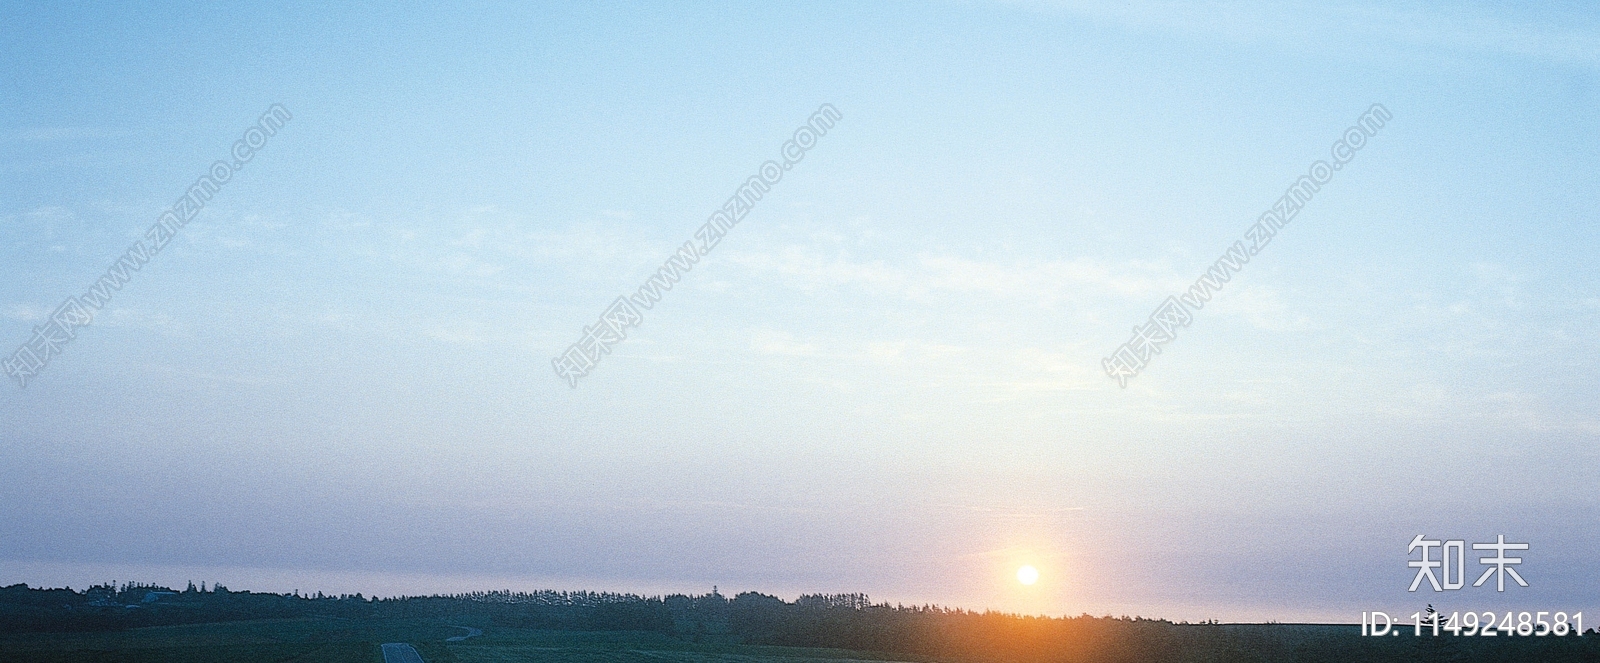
1027	575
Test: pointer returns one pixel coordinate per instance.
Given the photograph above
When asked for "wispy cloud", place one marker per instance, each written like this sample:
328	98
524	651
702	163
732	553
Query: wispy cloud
49	134
1037	283
1570	38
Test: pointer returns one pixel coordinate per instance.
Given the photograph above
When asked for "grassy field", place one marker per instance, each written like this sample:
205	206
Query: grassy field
333	640
357	640
515	645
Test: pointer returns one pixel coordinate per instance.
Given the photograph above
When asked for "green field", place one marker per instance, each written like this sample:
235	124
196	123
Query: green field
336	640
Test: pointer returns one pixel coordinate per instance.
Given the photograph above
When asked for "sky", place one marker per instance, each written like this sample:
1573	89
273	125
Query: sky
887	378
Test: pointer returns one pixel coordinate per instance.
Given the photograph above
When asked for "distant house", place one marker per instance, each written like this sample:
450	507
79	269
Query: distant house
152	597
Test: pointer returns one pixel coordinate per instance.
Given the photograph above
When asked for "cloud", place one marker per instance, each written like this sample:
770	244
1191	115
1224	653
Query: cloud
772	342
457	332
138	318
1260	305
43	134
1568	39
806	269
25	312
1038	283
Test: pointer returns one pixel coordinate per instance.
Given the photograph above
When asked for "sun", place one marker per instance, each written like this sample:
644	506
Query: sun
1027	575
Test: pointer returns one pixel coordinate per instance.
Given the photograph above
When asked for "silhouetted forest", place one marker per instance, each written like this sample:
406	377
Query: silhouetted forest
844	621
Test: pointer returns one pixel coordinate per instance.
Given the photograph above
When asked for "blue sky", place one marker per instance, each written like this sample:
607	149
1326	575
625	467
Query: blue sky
886	379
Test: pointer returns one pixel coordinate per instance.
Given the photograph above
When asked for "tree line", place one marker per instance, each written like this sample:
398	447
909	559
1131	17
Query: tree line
842	621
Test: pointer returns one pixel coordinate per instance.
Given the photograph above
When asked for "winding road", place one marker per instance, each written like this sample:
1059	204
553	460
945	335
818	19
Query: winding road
471	633
400	652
